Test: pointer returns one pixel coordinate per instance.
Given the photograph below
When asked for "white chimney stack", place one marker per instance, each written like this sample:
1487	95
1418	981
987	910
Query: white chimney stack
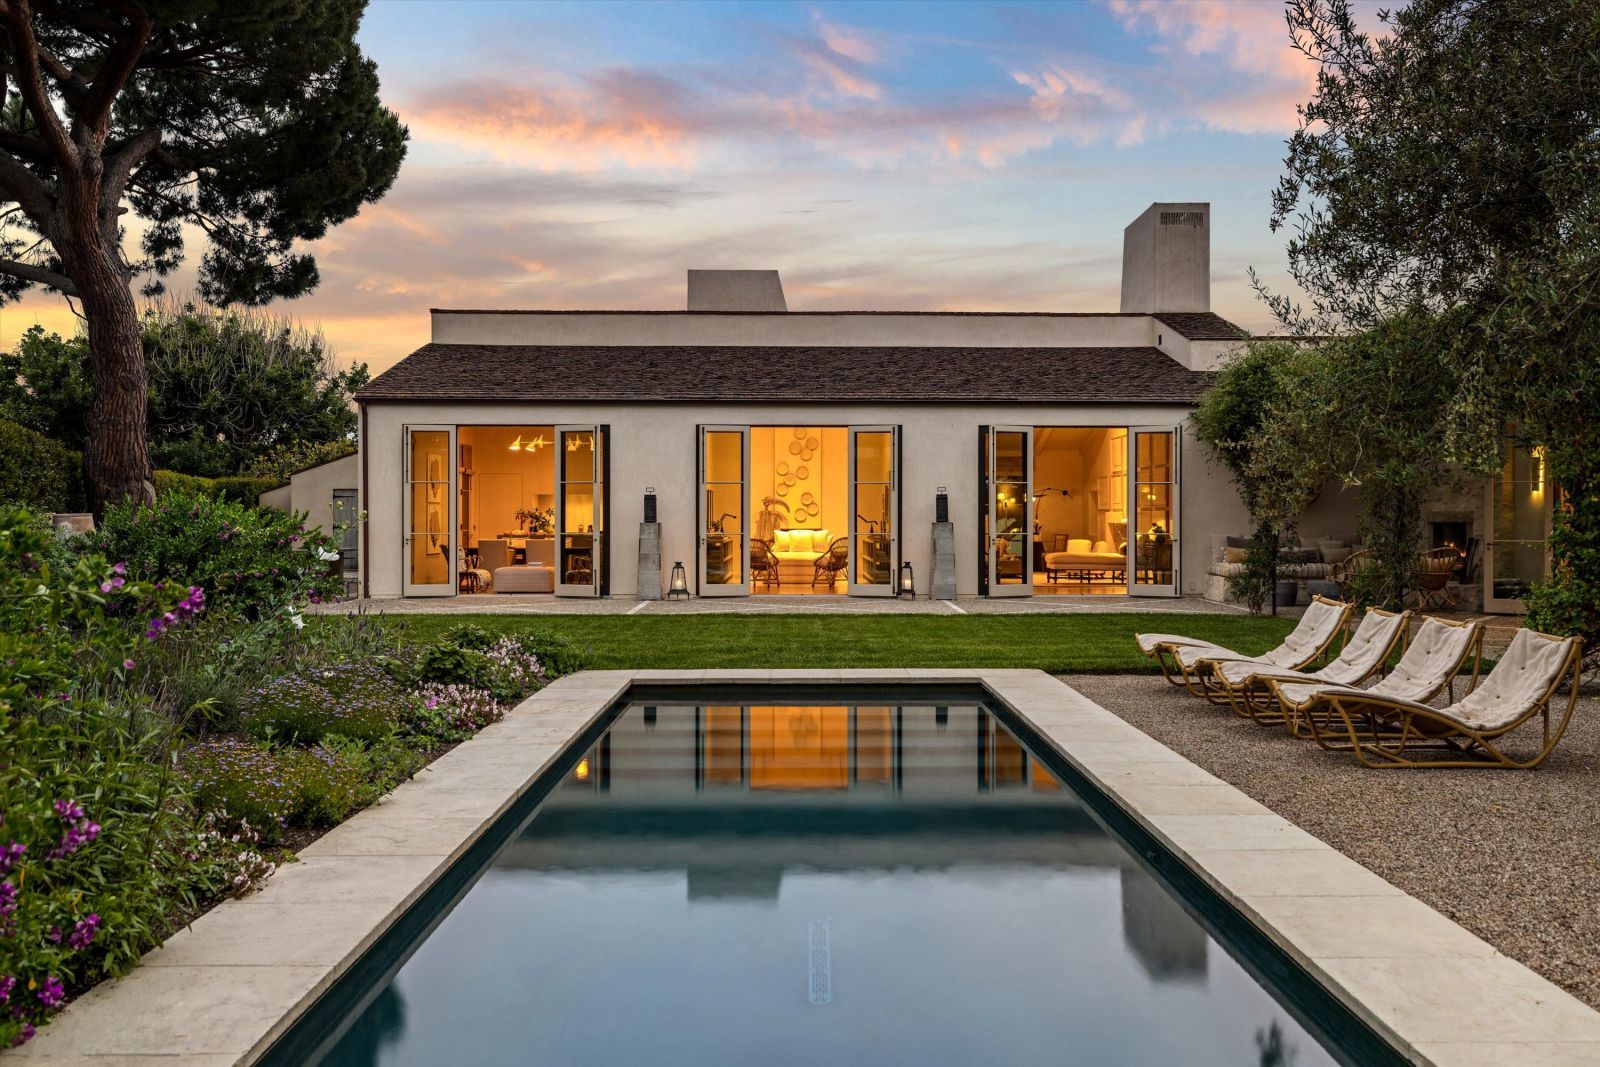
1166	259
735	290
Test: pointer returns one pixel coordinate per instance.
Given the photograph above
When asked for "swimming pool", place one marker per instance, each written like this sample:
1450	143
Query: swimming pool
850	876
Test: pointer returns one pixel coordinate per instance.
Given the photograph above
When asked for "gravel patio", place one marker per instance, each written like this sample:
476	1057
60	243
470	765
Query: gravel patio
1514	856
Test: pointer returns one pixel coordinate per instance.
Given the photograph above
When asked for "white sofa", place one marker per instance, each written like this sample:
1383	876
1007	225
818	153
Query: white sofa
797	552
1091	559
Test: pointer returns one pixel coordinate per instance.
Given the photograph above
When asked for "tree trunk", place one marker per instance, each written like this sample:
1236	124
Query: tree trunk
116	460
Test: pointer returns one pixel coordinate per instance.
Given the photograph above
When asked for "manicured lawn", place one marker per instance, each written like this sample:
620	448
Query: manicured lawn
1060	643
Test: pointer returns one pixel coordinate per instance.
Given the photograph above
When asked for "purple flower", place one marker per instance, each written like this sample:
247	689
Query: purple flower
83	931
54	936
68	810
7	984
10	855
8	901
128	665
52	992
24	1035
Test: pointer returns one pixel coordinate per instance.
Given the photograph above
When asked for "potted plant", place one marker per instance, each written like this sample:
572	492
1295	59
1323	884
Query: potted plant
540	522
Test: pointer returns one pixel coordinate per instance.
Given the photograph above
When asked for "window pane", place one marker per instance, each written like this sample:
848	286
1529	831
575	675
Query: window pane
1010	460
872	559
577	499
874	456
577	455
724	459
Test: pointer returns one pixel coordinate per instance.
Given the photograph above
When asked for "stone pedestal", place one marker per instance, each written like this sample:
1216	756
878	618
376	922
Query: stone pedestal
649	561
942	583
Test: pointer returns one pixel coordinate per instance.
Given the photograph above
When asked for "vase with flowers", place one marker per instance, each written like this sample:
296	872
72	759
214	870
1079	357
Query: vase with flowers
540	522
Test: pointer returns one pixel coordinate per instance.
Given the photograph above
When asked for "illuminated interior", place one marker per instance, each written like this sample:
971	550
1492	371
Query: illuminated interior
799	495
1080	489
506	500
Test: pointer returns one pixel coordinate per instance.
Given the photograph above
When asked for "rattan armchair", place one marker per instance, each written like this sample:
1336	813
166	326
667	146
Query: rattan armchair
1434	570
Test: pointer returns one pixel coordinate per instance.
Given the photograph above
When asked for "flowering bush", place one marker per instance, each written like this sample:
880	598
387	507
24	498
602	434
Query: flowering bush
90	869
454	712
250	561
357	700
240	784
228	863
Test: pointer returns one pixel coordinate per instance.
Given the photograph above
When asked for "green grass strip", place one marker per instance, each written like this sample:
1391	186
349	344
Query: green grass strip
1099	643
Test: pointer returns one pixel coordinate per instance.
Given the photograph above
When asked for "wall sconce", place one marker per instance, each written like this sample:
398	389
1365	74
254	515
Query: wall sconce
1537	485
581	772
907	585
941	505
941	718
679	586
649	718
650	503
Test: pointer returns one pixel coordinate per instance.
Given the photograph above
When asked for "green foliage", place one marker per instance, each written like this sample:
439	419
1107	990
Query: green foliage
38	472
354	700
286	460
46	384
93	863
558	654
239	782
449	664
251	561
1254	585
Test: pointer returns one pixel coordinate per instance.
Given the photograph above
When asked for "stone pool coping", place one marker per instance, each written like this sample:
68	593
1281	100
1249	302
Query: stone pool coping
222	990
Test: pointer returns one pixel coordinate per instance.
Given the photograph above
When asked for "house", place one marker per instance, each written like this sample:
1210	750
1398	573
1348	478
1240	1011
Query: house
810	453
327	494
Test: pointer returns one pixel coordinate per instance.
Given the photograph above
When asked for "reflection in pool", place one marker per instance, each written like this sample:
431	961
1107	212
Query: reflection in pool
819	884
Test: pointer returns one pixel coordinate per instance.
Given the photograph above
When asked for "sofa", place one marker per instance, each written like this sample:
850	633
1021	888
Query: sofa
797	552
1296	563
1086	560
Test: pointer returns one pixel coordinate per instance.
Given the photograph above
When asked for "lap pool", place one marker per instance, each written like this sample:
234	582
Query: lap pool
826	876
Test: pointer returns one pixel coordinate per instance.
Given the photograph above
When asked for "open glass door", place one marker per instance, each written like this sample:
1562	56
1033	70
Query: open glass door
580	517
430	466
874	509
1518	524
1009	537
1153	509
724	504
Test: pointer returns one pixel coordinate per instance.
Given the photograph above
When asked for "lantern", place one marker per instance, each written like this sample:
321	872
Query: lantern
907	585
679	585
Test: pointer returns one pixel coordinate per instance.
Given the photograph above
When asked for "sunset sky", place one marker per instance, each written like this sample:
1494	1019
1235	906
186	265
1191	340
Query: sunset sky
881	155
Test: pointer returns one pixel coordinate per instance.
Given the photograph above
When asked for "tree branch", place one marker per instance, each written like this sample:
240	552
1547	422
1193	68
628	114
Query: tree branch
18	19
94	115
59	282
22	185
119	166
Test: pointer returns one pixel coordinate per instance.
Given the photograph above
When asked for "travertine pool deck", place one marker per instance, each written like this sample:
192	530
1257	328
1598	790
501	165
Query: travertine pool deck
221	991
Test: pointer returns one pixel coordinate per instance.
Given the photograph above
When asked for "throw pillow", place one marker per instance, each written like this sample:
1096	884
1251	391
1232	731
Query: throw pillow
1238	542
781	540
1333	551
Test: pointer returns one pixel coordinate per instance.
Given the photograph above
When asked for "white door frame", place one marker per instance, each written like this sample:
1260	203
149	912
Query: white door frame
1490	542
992	549
886	588
596	532
1172	587
702	530
408	535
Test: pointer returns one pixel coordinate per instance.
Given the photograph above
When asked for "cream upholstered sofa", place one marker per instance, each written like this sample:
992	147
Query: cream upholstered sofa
797	552
1089	559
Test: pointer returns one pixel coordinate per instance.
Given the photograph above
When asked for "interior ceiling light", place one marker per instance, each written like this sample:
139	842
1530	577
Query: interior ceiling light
516	446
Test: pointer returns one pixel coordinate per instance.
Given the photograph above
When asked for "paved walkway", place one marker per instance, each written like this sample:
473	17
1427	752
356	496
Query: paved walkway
535	604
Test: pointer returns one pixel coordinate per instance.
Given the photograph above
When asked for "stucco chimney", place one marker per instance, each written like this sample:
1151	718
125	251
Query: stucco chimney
1166	259
735	290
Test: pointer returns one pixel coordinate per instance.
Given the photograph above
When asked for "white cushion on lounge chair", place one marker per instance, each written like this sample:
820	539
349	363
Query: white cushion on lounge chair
1522	676
1435	655
1360	656
1148	643
1315	629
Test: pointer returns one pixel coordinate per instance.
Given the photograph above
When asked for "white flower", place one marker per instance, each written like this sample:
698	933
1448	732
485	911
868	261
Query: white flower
296	618
327	555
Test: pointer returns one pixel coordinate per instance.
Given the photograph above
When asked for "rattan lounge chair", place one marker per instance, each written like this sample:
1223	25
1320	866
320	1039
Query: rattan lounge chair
1521	686
1185	661
1434	657
1365	654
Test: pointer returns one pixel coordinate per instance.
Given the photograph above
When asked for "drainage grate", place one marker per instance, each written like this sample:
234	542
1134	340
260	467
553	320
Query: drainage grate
821	966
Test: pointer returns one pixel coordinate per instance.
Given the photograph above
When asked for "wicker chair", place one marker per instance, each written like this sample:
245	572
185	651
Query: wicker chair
1344	572
832	563
1434	570
763	564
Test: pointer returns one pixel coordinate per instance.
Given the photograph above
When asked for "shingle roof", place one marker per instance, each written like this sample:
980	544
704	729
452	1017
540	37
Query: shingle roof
811	374
1201	325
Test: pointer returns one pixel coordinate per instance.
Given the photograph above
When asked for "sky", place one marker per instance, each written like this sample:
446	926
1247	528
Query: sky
880	155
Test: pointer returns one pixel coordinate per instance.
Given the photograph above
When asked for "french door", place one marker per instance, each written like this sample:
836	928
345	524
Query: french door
1153	534
1517	520
1008	509
430	474
874	521
723	507
580	510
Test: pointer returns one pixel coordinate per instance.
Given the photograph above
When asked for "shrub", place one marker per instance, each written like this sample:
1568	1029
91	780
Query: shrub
327	786
355	700
227	863
468	635
251	561
454	712
38	472
287	460
240	489
557	654
450	664
236	782
92	869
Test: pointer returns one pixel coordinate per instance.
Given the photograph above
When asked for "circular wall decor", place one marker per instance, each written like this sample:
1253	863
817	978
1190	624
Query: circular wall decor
812	443
783	469
783	490
808	499
794	448
802	473
799	433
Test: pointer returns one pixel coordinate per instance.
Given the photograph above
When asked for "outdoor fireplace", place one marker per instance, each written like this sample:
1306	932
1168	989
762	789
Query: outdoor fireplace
1454	535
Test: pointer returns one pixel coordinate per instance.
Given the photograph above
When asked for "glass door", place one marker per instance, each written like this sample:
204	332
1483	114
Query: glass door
1518	524
724	504
430	511
1009	511
1153	511
580	509
874	509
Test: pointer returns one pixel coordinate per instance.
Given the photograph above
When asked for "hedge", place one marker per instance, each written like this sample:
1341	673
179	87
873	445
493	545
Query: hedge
37	472
239	488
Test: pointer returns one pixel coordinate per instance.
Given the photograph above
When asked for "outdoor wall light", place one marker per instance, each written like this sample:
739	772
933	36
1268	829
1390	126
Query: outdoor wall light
907	585
1538	471
679	586
941	505
649	503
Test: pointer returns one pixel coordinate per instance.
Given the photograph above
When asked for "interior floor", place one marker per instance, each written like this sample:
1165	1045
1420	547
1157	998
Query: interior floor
1080	494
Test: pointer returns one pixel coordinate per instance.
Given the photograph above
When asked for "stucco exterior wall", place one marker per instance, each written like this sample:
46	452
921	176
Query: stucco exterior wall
311	491
655	445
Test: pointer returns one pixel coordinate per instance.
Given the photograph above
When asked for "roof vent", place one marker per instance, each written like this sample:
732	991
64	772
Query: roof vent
735	290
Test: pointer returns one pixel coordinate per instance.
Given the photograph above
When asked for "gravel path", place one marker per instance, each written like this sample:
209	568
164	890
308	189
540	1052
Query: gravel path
1514	856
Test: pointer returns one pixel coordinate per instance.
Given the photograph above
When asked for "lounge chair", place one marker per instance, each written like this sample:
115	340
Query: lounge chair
1522	685
1184	660
1365	654
1434	658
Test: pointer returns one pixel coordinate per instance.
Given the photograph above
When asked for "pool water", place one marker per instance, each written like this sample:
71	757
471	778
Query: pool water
818	883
